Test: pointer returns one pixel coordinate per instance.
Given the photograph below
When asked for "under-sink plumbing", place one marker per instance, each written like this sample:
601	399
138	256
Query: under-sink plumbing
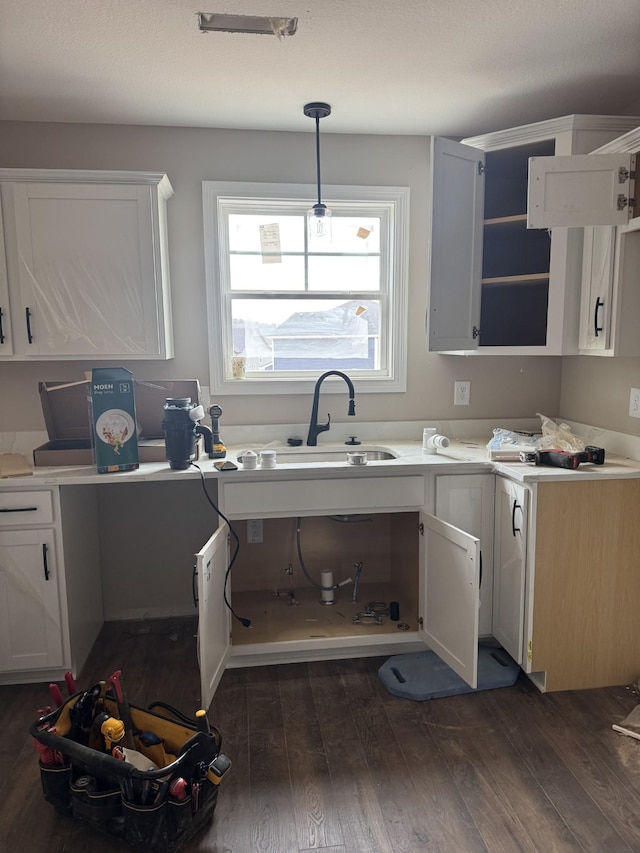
358	568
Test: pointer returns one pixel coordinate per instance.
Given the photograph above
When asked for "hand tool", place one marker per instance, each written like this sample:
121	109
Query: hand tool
564	458
70	682
202	721
178	789
56	695
123	707
218	769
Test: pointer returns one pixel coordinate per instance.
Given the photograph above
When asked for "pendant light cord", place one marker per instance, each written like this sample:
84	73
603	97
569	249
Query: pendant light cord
318	154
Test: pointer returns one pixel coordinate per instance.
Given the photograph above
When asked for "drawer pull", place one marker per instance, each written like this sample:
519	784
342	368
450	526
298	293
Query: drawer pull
19	509
45	565
514	529
2	337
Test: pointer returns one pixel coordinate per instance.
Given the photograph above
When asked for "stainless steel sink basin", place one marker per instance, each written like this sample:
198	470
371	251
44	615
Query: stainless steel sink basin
332	454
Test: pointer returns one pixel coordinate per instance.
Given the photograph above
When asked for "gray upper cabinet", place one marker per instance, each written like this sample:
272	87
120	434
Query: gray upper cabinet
87	273
496	286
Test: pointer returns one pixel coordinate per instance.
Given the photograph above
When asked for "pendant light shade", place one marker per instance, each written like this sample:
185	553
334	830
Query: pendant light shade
319	216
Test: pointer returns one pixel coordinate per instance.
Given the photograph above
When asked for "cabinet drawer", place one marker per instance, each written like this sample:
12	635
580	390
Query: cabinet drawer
18	508
289	498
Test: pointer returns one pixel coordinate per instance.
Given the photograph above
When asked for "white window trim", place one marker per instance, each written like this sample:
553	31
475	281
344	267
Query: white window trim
396	380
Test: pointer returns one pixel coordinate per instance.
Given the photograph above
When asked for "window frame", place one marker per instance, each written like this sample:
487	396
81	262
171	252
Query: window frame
394	376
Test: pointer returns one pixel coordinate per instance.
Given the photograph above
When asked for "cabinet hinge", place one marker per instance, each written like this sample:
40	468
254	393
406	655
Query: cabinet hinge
421	529
482	169
624	175
420	622
529	651
623	202
475	332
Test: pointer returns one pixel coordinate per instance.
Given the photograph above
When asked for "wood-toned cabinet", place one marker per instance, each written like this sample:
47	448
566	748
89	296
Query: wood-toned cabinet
496	287
86	273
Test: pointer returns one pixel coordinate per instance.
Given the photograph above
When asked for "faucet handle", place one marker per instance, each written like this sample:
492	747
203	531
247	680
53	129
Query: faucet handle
353	440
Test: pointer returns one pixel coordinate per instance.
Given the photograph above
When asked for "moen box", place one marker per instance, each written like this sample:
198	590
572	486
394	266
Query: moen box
113	415
65	406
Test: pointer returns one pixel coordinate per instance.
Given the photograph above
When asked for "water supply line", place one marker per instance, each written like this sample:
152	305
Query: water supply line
311	580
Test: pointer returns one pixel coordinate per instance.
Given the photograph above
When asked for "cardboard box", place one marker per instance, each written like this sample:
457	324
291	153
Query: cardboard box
65	406
113	415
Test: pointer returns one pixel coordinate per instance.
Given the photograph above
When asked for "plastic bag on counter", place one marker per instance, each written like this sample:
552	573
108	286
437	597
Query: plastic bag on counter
558	436
503	439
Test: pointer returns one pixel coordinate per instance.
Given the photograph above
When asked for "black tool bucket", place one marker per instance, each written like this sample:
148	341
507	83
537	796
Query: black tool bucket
152	810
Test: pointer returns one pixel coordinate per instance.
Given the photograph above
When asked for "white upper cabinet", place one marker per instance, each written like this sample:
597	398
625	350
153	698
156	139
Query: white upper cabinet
87	264
591	189
496	286
597	195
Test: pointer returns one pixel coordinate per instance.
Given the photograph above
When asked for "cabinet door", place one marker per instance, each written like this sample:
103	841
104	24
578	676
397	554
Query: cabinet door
457	181
467	502
597	288
509	566
577	191
450	559
30	617
213	615
6	345
87	260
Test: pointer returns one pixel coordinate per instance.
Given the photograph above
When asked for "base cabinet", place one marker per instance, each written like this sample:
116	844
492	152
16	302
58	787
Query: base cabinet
31	619
380	544
50	586
584	585
511	519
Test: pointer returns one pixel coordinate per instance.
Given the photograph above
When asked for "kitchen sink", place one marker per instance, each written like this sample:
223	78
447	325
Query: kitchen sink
332	454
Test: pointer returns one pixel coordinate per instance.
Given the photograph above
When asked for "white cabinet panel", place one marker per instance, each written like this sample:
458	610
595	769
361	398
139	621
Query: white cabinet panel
213	616
87	264
585	189
457	180
30	617
28	507
597	288
287	497
450	559
6	342
509	566
467	502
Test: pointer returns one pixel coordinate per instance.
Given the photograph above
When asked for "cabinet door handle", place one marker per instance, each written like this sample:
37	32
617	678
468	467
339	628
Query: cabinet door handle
480	580
45	565
514	529
19	509
27	315
194	586
1	326
596	328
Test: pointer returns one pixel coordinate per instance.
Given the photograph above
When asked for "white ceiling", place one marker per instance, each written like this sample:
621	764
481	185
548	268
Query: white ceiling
453	67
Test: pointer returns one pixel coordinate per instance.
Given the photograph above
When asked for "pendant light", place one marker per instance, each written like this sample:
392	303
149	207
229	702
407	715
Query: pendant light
319	216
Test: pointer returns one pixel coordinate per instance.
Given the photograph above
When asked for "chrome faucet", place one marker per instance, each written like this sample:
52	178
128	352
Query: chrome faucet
314	427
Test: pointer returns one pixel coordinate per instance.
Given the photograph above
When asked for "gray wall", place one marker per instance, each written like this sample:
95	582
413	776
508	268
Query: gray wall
502	387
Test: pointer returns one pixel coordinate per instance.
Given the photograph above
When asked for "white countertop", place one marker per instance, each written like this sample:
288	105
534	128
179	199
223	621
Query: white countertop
461	455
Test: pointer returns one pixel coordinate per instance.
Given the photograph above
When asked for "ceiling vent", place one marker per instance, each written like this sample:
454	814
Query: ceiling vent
212	22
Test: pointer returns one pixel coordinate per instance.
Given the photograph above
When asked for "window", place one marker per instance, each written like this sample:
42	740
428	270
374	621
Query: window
287	305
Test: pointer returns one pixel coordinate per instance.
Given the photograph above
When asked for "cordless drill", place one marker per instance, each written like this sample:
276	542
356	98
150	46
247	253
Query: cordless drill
565	458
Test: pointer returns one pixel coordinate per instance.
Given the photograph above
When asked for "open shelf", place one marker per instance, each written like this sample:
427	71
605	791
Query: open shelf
517	279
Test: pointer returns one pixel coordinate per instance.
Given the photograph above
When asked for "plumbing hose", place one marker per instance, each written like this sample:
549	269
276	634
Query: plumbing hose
304	568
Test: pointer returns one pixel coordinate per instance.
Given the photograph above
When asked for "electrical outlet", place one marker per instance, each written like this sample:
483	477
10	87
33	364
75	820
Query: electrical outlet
461	392
634	403
254	530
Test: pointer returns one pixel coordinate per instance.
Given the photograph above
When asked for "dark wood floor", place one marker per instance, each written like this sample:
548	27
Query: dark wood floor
326	759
